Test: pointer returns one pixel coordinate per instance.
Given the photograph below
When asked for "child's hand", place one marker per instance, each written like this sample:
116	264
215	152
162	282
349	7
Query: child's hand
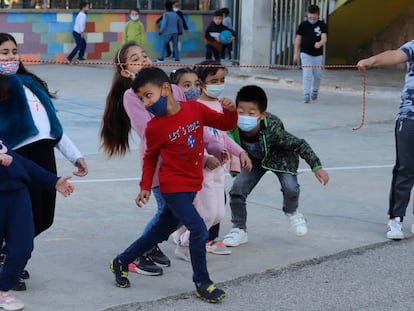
212	163
322	176
224	156
64	186
82	167
227	104
5	159
245	161
143	197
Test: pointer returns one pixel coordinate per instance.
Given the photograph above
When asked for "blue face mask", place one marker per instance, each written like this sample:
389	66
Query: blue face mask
193	93
214	90
159	108
247	123
313	21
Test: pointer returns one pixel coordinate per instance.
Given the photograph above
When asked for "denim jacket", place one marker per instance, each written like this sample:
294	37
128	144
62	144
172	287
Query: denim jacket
281	150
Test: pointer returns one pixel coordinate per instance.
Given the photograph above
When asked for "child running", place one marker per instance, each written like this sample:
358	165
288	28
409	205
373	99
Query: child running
175	134
16	220
124	110
271	148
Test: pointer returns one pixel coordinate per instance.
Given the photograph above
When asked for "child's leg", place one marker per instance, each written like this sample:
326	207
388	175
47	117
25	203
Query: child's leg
306	61
317	74
183	209
243	184
209	51
290	190
16	225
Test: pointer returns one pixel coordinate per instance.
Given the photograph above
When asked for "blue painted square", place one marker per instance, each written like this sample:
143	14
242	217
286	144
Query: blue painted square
48	17
60	27
15	17
53	48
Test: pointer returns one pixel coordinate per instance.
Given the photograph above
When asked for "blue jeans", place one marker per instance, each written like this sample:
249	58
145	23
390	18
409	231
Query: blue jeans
311	76
80	46
179	209
244	183
165	39
160	207
17	228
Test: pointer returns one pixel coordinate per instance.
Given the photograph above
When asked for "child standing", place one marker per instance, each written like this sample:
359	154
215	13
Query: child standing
175	134
226	47
134	29
271	148
79	33
311	36
123	111
211	36
16	220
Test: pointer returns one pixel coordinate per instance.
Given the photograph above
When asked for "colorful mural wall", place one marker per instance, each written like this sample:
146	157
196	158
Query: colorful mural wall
47	35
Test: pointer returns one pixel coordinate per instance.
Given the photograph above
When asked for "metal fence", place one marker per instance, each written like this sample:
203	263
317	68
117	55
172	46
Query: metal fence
287	15
108	4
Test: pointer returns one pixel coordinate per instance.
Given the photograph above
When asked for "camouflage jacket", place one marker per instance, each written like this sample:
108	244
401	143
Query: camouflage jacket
281	150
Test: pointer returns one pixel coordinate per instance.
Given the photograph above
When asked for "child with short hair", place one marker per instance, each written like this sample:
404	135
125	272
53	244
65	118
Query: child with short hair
134	29
16	220
175	134
271	148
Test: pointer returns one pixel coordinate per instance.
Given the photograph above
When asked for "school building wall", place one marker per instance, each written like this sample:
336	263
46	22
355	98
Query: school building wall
47	35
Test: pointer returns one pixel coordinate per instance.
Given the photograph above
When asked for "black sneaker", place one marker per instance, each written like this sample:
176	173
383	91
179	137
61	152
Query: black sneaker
21	286
121	273
159	257
146	266
25	275
209	292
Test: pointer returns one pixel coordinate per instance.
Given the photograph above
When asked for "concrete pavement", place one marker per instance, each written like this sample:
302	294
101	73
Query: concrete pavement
69	267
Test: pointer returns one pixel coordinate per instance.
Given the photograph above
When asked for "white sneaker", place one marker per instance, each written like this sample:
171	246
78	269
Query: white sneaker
395	229
298	223
236	237
412	228
10	303
182	252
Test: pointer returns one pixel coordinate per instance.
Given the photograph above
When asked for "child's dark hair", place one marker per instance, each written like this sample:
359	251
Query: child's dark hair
253	93
4	37
218	13
313	9
116	125
175	75
168	5
133	10
225	11
208	67
83	4
151	75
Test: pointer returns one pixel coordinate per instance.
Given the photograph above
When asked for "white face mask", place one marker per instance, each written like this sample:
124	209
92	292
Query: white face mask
134	17
214	90
176	9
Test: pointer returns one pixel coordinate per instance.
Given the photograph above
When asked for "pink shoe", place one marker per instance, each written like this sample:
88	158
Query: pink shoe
10	303
132	268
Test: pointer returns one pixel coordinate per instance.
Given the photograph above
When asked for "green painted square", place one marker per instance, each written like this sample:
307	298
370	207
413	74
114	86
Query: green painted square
48	37
40	27
63	37
33	17
47	56
95	17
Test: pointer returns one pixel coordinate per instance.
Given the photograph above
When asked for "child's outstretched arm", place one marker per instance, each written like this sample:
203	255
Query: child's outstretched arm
5	159
64	186
322	176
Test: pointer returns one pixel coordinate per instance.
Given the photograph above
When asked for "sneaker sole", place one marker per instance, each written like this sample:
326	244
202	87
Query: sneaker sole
228	252
143	272
227	243
220	298
395	237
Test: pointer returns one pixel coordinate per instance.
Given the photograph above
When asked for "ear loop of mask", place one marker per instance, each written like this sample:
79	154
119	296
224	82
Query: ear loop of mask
122	67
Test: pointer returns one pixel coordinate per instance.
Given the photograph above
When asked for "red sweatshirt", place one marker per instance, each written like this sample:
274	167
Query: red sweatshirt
178	139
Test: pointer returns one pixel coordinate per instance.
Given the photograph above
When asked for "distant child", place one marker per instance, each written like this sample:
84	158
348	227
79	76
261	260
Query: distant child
175	134
311	36
134	29
271	148
79	33
212	36
16	220
124	111
226	47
